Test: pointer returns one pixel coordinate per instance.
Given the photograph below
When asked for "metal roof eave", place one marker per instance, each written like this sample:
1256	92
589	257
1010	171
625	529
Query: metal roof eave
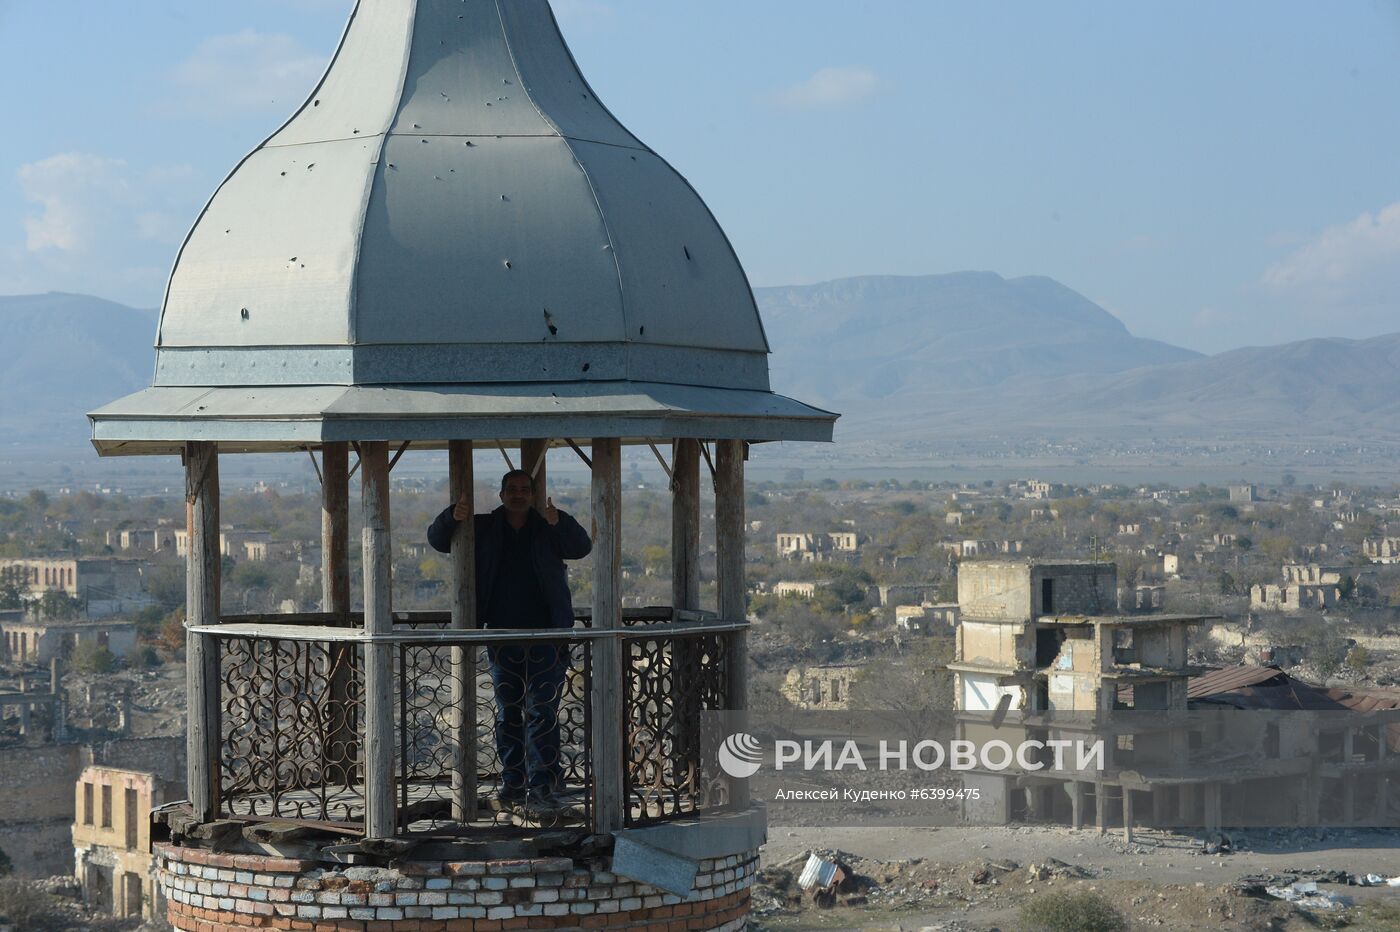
160	420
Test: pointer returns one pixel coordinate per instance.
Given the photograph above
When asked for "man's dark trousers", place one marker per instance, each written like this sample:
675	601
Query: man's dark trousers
529	681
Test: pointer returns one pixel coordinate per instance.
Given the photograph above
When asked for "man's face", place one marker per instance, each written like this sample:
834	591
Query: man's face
517	496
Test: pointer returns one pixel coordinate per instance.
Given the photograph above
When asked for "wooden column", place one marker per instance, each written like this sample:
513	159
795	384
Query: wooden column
533	452
343	741
461	483
685	595
202	608
685	524
1127	815
729	575
380	818
608	691
1076	804
335	527
1101	807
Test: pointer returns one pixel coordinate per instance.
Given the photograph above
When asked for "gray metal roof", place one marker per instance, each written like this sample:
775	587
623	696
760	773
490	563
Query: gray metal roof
452	206
284	417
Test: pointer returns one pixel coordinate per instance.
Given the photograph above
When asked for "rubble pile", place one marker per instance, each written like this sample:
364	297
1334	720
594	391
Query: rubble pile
55	904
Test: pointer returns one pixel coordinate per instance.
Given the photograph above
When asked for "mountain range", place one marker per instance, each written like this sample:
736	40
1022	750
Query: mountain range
972	354
963	355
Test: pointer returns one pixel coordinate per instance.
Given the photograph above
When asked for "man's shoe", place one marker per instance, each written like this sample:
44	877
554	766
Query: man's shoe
512	795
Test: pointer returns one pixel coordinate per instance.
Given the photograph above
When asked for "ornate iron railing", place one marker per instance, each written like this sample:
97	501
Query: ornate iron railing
293	722
671	680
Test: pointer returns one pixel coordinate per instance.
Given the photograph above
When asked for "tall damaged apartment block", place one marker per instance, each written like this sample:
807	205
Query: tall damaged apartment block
1043	659
1042	653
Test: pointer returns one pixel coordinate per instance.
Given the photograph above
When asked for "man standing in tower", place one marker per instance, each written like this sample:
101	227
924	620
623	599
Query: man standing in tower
522	582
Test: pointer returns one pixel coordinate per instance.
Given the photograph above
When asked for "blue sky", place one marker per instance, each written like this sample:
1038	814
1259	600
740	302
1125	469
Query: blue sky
1216	174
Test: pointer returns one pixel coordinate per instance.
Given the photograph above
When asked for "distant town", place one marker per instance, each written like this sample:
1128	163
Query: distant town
859	598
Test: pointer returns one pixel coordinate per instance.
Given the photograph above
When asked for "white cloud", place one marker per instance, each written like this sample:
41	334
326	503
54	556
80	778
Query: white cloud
98	225
1346	277
245	72
74	191
829	87
1342	253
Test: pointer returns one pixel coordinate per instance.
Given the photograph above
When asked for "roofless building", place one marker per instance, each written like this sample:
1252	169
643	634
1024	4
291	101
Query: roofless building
454	245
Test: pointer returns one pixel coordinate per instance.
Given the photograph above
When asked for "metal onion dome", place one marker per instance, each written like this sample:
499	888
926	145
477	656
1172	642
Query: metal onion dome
453	238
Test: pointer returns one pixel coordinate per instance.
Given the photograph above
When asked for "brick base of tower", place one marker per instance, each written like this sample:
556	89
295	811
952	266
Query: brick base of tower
211	892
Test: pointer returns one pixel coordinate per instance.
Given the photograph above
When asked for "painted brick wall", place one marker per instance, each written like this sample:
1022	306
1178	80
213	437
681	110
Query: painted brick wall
224	893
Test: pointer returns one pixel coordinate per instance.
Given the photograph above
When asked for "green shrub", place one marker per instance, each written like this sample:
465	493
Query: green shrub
1064	911
28	909
91	657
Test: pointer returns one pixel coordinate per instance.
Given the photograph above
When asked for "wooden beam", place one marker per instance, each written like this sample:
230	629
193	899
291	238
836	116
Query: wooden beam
579	450
510	467
343	743
380	817
685	596
532	460
203	738
607	687
665	467
335	528
461	483
685	525
729	575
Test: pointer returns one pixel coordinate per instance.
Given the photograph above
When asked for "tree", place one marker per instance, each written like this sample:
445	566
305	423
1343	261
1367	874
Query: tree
172	632
92	657
1227	584
1324	649
914	687
57	604
10	596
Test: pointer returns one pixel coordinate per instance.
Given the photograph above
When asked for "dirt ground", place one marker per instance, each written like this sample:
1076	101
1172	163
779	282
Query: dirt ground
978	879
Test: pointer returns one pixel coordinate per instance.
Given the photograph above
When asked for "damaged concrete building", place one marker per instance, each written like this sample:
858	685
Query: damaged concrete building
112	839
1041	656
827	688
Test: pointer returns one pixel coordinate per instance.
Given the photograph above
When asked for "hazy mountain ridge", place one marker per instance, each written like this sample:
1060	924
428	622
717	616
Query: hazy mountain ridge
68	354
860	339
918	358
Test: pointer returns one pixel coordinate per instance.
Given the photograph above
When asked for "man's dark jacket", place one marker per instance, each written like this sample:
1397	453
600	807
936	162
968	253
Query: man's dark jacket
553	544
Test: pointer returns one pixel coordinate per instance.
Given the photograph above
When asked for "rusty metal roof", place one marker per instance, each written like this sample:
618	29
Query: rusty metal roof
1365	699
452	206
1231	678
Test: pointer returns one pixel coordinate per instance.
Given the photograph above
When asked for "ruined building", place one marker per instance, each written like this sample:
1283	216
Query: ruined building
112	839
1041	655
